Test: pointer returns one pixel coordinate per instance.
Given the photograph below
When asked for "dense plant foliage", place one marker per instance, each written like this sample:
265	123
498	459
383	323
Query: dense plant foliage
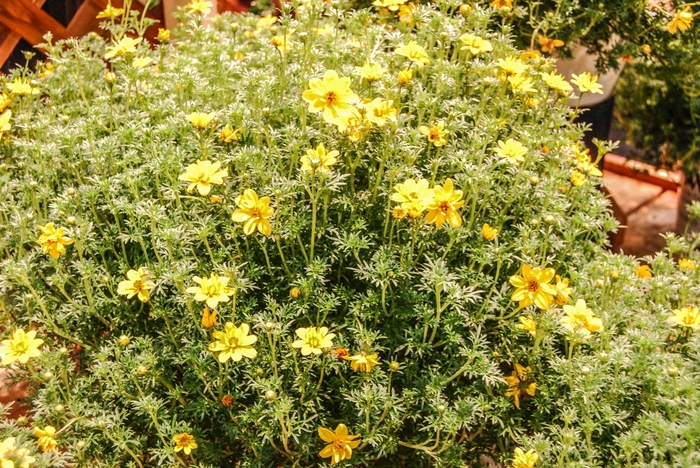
312	240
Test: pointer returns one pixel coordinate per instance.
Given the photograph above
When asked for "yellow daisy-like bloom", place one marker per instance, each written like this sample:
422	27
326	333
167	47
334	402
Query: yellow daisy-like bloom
512	150
202	175
53	240
253	212
587	83
488	232
208	318
436	133
475	44
563	290
391	5
229	135
371	72
686	264
313	340
577	179
46	439
332	96
681	20
340	443
533	287
200	120
363	361
234	343
318	160
644	271
528	324
21	87
199	6
211	290
399	212
5	101
556	82
414	196
511	66
141	62
12	457
413	52
110	12
446	201
686	317
524	459
548	44
520	384
137	283
404	77
580	318
126	45
522	84
163	34
283	42
530	54
265	21
20	347
584	163
501	4
406	13
379	111
5	124
184	442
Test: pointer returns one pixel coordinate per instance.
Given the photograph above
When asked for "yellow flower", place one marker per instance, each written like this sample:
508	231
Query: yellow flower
587	83
200	120
681	20
283	42
524	459
202	175
253	212
530	54
399	212
475	44
124	340
528	324
646	48
501	4
436	133
556	82
265	21
332	96
404	77
234	343
313	340
5	124
685	317
20	347
184	442
363	361
379	111
446	201
406	13
533	287
580	318
110	12
563	290
371	72
644	272
125	46
511	66
12	457
414	196
577	179
163	34
46	441
488	232
199	6
392	5
21	87
521	84
229	135
512	150
141	62
686	264
318	159
547	44
413	52
327	30
340	443
5	101
211	290
208	318
53	240
519	383
137	283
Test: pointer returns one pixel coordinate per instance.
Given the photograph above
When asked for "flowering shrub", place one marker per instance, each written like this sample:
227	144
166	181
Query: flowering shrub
321	240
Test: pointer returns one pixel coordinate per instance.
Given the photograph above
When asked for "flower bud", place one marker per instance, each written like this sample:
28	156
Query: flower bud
48	375
33	184
63	350
465	9
603	357
80	444
394	366
227	400
70	220
599	283
266	112
535	222
294	293
59	408
30	216
549	219
269	326
124	340
70	191
646	48
441	409
110	77
270	395
141	370
615	274
163	34
534	180
585	370
673	371
22	420
405	77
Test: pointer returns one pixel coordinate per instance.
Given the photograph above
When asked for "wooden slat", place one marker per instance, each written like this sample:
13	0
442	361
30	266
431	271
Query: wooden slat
9	39
30	22
668	180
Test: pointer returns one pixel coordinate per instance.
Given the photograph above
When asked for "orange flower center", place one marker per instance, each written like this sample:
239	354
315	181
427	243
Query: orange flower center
434	134
255	213
138	285
444	207
533	285
339	444
331	98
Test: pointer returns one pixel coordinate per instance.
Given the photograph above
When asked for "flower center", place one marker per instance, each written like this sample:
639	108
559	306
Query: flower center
434	134
339	444
255	213
533	285
444	207
331	98
20	347
313	340
138	285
